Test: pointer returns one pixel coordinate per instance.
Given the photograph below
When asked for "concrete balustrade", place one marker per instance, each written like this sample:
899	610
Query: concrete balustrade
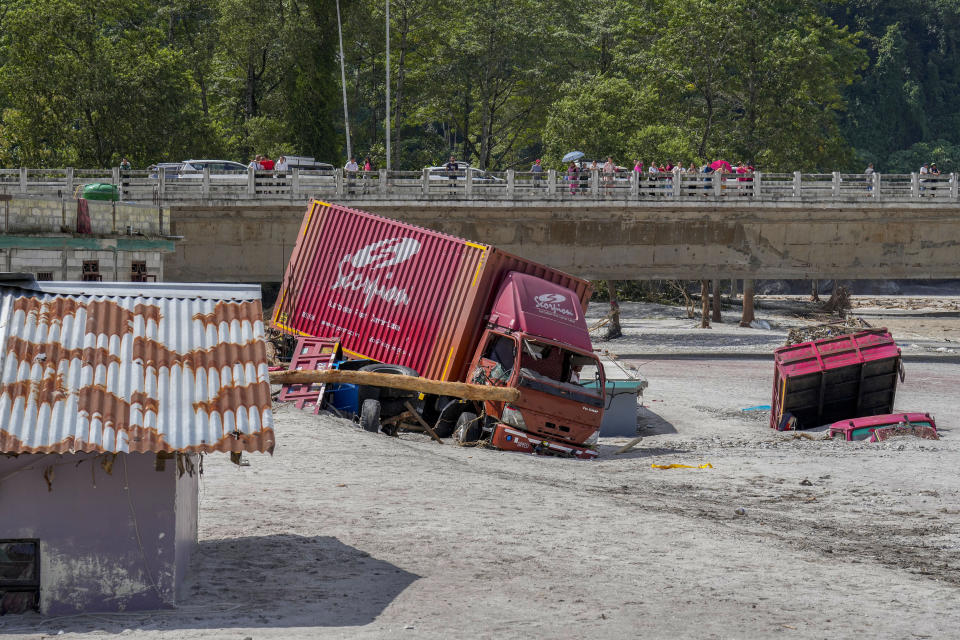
300	185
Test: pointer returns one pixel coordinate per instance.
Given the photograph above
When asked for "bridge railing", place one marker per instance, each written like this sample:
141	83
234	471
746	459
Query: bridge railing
297	185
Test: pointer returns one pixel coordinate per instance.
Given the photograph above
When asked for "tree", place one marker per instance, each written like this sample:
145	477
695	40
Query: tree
599	116
759	80
88	81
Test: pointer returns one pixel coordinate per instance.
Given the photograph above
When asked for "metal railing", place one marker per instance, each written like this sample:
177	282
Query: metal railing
474	185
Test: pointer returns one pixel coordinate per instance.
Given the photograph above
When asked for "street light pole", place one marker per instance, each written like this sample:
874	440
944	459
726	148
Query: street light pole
388	84
343	83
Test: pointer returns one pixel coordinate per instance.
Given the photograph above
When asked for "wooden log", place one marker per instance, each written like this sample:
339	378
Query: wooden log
407	383
629	445
423	423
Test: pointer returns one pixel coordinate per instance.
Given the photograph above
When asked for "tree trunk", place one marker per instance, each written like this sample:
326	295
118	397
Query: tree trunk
733	288
814	291
716	300
704	304
747	316
613	327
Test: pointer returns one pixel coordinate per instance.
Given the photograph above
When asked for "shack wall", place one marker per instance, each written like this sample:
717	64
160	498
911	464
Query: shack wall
103	547
186	506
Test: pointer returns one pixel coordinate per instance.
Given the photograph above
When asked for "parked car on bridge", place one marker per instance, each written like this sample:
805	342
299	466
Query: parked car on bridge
478	175
171	170
306	162
222	169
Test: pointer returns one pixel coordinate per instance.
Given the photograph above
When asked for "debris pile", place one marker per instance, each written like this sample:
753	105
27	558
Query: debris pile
850	324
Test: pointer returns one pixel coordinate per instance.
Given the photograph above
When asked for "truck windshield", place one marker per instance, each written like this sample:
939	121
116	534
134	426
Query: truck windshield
556	371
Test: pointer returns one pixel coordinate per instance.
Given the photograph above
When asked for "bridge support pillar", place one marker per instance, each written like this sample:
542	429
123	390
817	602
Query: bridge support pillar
797	183
551	182
704	304
716	301
747	317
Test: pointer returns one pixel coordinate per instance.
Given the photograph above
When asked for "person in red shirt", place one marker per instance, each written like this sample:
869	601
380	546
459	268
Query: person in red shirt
266	163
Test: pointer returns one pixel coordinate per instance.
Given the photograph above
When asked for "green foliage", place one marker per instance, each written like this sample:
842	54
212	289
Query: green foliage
598	115
943	152
785	84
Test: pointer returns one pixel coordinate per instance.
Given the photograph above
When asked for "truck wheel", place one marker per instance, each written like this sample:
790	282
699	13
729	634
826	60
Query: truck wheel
447	421
395	369
370	416
468	428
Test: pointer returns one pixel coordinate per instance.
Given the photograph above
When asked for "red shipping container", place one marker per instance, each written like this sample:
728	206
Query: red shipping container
395	292
848	376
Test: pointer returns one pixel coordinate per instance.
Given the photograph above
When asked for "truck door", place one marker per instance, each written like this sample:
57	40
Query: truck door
496	358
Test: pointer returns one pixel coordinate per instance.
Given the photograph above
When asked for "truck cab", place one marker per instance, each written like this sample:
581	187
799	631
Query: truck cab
560	407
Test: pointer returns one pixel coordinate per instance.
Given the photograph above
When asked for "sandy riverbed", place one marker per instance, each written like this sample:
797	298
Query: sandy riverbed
346	534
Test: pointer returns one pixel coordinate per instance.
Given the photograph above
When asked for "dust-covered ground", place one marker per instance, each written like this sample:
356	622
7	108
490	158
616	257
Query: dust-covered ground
347	534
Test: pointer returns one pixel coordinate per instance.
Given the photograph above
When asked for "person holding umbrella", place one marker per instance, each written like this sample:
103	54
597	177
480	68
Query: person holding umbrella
573	177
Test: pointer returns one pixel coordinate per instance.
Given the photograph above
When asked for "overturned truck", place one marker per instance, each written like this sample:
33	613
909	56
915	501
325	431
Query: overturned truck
448	309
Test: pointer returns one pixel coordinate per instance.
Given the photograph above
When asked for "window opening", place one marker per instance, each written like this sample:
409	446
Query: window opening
91	271
19	576
44	276
138	271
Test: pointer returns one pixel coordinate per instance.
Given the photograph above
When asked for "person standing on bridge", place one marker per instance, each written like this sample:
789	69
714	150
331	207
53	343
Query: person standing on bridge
351	169
573	178
608	170
451	168
537	171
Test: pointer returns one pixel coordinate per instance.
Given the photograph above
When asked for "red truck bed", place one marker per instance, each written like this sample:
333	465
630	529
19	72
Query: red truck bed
835	378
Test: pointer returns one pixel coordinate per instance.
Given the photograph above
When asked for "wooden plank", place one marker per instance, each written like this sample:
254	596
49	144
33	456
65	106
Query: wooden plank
407	383
629	445
423	423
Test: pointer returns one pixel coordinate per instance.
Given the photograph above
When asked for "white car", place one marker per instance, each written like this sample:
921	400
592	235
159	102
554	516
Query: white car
478	175
221	169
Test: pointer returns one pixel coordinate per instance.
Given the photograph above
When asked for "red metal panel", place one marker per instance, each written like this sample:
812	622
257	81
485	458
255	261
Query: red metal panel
310	354
396	292
835	372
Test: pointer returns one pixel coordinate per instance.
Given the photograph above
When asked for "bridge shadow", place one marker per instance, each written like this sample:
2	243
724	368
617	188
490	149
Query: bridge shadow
280	580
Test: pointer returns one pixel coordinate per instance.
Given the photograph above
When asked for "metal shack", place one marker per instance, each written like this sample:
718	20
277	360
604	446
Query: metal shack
109	393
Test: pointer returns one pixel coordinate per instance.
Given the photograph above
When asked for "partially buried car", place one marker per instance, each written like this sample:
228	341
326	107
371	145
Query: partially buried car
882	427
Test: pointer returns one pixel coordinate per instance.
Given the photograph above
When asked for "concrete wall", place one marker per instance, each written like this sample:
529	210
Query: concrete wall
684	240
67	264
108	541
24	214
232	244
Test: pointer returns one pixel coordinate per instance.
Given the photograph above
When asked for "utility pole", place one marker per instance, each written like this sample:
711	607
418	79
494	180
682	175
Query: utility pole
343	83
388	84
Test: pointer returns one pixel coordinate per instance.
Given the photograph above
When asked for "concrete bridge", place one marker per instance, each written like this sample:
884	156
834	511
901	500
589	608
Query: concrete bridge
617	239
241	227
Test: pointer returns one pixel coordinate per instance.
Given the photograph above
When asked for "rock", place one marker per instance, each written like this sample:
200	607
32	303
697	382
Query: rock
740	511
806	483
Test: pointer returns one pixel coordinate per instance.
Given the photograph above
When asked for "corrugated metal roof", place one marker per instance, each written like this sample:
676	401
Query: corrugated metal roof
149	367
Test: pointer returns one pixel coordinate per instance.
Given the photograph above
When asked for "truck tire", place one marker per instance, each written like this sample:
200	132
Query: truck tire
468	428
447	420
387	392
370	415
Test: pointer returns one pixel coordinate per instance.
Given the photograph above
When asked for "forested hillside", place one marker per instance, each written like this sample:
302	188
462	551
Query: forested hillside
784	84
